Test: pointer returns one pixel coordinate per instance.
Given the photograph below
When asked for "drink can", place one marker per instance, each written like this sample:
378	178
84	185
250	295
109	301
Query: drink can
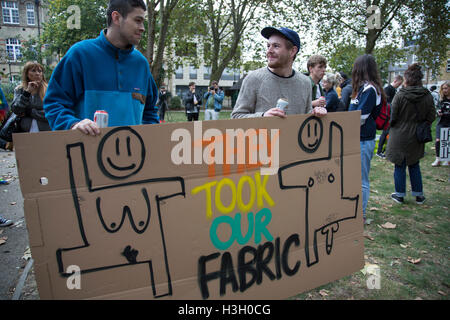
322	98
282	104
101	118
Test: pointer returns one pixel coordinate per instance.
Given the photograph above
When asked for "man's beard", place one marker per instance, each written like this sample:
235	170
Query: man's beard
279	62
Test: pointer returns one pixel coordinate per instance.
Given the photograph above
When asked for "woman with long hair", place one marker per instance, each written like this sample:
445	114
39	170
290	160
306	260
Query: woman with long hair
28	97
367	96
411	105
444	119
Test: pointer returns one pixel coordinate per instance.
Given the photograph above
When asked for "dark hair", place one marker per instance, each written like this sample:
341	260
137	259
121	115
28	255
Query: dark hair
433	88
124	7
414	75
191	83
365	69
343	75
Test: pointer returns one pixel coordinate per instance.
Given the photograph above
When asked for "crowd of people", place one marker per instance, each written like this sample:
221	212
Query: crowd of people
108	73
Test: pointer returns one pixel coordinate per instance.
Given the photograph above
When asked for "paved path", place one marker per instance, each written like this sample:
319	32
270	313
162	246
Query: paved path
12	252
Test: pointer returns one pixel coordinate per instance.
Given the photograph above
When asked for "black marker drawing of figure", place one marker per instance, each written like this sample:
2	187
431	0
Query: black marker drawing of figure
323	185
120	223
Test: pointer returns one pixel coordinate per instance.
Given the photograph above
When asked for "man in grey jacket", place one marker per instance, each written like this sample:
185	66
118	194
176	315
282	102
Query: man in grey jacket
262	88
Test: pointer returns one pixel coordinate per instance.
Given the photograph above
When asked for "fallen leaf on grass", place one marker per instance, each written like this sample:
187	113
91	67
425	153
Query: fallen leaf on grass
395	262
323	293
404	246
389	225
3	240
442	293
369	237
374	209
440	180
428	226
13	203
414	261
370	268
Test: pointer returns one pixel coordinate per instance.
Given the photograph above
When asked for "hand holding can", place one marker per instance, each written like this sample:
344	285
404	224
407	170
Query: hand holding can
323	101
101	118
282	104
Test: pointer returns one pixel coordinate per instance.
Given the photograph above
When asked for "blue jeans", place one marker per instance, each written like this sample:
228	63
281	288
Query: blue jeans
415	177
367	148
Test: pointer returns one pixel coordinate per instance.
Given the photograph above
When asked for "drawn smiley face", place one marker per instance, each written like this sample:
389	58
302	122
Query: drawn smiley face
121	153
310	134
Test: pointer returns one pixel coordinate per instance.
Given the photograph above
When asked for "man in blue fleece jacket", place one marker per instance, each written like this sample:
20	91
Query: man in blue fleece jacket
105	73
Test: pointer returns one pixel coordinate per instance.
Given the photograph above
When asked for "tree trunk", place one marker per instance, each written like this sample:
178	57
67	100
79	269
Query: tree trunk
151	30
165	11
157	63
371	40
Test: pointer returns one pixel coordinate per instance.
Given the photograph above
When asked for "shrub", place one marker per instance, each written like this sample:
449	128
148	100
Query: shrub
8	90
175	103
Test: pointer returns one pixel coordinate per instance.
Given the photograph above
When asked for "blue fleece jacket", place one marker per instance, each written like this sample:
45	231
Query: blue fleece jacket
369	102
95	75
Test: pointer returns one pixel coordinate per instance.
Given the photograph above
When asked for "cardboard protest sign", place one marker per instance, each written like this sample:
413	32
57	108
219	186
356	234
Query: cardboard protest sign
231	209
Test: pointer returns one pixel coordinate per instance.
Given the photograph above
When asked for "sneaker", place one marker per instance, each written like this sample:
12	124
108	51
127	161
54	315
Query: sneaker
397	199
5	222
436	163
9	146
380	155
420	199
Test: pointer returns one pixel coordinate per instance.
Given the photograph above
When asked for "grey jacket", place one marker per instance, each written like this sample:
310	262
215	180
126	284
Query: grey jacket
29	107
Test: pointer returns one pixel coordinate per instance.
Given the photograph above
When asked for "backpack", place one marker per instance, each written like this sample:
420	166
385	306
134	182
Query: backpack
383	119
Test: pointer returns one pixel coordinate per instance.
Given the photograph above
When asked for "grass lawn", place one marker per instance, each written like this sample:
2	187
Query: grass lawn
180	116
414	256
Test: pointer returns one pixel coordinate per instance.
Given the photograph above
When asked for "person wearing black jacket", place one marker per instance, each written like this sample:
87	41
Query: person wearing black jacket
163	102
192	103
390	90
346	92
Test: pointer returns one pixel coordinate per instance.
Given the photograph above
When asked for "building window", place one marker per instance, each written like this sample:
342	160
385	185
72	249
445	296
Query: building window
13	49
31	21
179	73
10	12
230	74
192	72
207	73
